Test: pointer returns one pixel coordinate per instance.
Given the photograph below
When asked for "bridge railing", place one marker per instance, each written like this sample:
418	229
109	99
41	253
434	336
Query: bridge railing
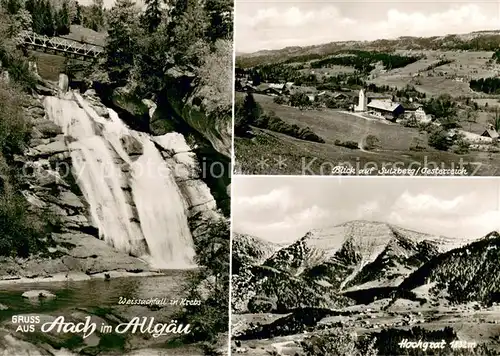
61	44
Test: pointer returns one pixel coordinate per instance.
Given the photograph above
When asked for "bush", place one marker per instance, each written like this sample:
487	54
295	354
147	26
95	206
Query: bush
370	142
348	144
261	305
440	139
272	122
337	341
210	284
280	100
23	231
14	127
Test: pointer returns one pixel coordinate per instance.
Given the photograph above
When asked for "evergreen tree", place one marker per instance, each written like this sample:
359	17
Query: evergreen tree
122	45
187	30
153	14
221	19
12	6
47	18
77	20
62	23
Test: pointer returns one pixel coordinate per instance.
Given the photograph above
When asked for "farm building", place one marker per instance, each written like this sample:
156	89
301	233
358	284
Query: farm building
387	109
341	96
490	133
279	87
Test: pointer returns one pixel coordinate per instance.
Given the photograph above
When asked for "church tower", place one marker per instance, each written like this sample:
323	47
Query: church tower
362	101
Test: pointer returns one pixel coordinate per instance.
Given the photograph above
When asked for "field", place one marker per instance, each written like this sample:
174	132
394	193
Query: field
274	153
50	65
442	79
479	326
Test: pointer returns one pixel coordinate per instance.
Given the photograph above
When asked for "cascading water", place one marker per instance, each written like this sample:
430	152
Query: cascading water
97	152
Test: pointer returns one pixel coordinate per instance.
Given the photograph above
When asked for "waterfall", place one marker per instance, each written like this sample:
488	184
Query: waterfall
158	231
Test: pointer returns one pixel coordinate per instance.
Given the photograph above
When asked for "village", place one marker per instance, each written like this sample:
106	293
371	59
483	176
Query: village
369	105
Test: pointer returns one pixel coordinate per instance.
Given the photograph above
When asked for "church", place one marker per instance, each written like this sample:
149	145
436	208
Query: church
382	108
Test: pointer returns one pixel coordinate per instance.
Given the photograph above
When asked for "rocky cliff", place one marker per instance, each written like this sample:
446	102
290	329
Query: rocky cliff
48	182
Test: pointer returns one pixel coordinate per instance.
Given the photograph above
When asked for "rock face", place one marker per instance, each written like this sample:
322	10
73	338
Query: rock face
49	184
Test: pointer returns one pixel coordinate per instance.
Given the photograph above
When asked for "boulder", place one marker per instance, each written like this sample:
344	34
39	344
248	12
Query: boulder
49	149
63	83
47	128
36	294
131	145
70	199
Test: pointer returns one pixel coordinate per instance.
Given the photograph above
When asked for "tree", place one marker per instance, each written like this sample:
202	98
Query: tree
210	285
246	114
441	107
47	18
440	139
299	100
186	31
77	19
152	15
495	119
220	18
123	34
62	20
12	6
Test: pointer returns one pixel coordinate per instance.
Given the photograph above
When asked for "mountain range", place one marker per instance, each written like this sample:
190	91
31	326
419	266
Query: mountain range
360	261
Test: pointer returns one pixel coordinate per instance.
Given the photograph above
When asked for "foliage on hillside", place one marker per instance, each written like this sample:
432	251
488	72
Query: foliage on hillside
337	341
469	273
188	37
249	113
249	250
275	284
364	61
23	230
210	284
486	85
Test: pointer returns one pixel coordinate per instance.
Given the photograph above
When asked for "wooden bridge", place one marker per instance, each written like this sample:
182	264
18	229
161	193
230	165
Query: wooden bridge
61	46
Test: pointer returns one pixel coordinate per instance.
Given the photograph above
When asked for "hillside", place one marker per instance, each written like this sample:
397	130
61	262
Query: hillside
475	41
250	250
469	273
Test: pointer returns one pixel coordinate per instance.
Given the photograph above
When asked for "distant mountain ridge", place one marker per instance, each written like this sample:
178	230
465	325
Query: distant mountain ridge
324	263
488	40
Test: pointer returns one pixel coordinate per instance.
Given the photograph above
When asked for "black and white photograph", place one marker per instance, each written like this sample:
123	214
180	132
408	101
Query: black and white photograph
115	166
392	88
365	266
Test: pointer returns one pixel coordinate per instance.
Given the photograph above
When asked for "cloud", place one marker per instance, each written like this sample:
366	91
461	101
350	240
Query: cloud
367	210
422	203
286	227
281	199
274	28
462	216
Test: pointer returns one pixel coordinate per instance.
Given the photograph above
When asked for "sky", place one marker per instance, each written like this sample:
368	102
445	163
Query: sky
282	209
277	24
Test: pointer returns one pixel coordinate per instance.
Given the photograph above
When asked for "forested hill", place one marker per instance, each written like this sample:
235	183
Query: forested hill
469	273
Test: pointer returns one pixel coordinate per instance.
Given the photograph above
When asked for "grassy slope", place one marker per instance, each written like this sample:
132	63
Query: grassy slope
50	65
331	125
